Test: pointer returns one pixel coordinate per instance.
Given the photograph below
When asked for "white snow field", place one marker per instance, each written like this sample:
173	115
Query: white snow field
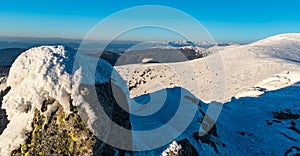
264	120
245	67
263	75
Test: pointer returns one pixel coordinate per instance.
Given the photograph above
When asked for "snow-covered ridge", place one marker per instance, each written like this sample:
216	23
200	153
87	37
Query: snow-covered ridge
46	72
180	44
195	48
287	36
202	44
245	67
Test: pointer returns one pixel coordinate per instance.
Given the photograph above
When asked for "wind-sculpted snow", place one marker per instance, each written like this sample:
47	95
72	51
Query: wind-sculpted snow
37	75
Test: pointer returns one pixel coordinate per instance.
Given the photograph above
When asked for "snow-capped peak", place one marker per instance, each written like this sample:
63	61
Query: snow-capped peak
279	39
288	36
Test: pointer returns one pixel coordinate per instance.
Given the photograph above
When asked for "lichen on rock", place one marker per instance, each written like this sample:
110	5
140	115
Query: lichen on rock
58	134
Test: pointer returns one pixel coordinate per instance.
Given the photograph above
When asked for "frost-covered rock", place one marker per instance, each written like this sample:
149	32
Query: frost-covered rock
37	75
45	96
173	150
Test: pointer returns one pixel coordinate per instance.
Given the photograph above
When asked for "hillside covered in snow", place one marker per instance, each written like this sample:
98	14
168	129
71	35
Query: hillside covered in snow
263	65
257	111
61	102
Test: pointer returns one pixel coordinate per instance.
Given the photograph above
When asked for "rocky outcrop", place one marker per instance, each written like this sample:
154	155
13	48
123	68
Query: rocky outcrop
3	117
4	70
46	120
67	134
187	148
58	134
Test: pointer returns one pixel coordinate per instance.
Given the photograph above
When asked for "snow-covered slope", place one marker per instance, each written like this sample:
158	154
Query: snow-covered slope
265	125
245	67
250	70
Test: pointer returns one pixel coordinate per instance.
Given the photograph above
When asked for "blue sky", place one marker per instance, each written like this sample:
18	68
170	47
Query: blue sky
237	21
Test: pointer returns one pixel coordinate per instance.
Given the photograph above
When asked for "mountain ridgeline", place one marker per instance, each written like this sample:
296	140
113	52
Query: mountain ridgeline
53	105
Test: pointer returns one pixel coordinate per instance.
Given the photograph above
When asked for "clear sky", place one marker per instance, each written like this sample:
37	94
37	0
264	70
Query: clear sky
235	20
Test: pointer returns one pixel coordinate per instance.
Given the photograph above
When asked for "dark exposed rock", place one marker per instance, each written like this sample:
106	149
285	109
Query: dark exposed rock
46	103
287	114
209	137
242	133
213	144
209	126
111	98
3	118
293	151
269	123
277	121
106	93
294	129
187	148
4	70
293	123
204	138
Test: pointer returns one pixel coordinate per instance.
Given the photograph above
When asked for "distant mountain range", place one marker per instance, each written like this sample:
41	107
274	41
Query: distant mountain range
131	51
116	46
